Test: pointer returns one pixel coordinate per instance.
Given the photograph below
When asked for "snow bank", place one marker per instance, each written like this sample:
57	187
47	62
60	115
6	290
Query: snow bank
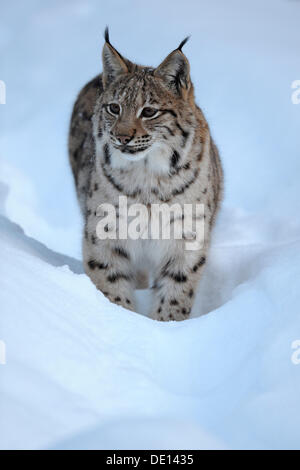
84	373
75	360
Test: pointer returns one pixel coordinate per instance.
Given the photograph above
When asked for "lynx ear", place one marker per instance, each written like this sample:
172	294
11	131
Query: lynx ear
175	71
113	63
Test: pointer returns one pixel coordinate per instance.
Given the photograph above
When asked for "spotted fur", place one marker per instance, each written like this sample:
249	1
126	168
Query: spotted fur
169	158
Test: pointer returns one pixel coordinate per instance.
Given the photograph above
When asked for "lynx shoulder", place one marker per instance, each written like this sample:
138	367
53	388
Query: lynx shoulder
137	133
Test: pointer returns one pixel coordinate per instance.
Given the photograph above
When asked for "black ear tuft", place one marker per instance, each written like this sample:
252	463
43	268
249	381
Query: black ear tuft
113	63
183	43
175	71
106	35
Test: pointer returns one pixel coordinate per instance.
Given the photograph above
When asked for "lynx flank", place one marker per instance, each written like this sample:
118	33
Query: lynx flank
137	132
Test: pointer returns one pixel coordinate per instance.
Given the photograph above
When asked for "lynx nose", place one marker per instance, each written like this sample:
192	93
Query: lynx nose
124	139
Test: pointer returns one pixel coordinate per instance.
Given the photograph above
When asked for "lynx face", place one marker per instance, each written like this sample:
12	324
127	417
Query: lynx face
139	112
142	109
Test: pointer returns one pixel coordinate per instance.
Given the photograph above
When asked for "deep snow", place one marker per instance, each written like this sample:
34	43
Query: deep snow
82	372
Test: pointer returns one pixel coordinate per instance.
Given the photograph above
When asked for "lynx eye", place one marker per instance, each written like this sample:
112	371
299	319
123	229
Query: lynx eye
149	112
114	108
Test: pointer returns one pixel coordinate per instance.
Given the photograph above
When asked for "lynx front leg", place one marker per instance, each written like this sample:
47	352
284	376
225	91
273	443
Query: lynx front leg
108	265
175	286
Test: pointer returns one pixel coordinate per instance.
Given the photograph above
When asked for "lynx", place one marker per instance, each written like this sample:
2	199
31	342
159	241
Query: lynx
137	132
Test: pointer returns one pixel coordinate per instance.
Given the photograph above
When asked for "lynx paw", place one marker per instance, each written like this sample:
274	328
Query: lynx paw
171	312
125	301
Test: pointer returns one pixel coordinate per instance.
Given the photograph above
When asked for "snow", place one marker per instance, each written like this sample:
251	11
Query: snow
83	373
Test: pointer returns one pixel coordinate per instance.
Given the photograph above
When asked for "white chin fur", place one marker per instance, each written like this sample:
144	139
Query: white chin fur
157	155
132	157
